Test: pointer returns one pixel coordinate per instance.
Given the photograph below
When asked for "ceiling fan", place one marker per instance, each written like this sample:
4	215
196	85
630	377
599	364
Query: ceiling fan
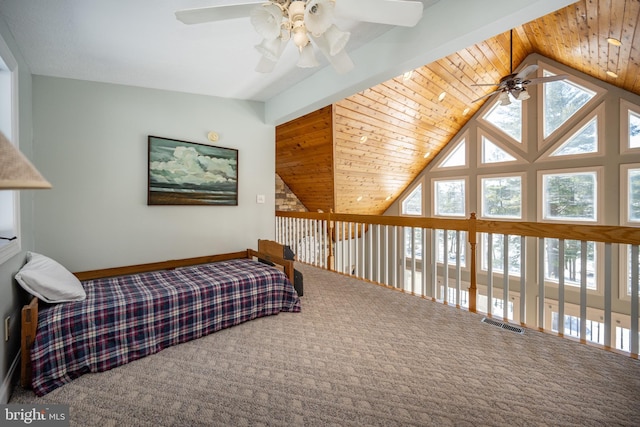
308	23
515	84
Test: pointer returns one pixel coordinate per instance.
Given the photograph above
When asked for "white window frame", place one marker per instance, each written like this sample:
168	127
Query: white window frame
464	138
523	187
624	194
434	200
568	124
599	172
625	108
524	124
624	220
598	114
481	136
9	249
416	187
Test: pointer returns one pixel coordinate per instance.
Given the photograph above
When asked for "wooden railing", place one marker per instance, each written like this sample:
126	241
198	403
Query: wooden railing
570	279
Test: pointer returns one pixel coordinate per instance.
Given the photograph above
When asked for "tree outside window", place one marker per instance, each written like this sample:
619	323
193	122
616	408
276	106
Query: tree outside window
569	196
502	197
450	197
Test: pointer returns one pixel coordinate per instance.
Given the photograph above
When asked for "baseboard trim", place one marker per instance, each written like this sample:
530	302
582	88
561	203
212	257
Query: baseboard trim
5	391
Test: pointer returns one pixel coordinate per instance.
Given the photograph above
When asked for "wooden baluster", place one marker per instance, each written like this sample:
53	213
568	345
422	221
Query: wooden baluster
473	289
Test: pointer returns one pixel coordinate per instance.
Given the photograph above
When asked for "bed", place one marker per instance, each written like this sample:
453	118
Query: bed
135	311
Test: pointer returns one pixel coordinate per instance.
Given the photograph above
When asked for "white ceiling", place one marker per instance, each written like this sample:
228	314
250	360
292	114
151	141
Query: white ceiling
141	43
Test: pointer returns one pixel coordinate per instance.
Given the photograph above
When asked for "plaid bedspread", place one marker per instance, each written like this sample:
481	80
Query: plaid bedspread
129	317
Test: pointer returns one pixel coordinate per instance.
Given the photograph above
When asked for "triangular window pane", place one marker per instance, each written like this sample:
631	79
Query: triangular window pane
562	99
412	205
491	153
507	118
634	130
583	142
458	157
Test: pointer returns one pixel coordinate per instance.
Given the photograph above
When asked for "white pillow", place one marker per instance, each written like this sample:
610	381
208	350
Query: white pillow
51	282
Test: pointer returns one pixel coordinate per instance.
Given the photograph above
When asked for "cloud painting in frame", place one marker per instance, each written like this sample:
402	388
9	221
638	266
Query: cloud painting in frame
188	173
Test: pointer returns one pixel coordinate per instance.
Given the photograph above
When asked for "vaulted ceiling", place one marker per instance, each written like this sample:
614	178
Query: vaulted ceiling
359	154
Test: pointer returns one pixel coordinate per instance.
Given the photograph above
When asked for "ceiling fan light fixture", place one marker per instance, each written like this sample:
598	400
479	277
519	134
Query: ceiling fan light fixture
300	36
265	65
307	57
504	98
341	62
318	15
522	95
270	49
266	20
337	39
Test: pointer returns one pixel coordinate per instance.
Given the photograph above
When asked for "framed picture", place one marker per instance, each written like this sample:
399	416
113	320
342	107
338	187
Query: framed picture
188	173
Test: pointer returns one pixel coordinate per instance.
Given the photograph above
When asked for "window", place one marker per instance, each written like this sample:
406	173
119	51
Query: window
413	247
572	267
491	153
583	142
451	237
9	200
449	197
501	197
457	157
562	99
629	126
633	195
507	119
498	253
412	204
570	196
594	330
634	129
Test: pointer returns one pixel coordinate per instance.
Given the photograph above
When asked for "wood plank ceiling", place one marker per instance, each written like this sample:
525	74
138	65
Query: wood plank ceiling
358	155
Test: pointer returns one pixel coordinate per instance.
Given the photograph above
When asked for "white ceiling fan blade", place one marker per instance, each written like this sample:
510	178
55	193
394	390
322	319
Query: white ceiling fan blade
391	12
485	84
526	71
215	13
487	95
547	79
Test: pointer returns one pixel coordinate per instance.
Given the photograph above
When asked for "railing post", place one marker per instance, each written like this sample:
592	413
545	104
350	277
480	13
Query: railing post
330	258
473	289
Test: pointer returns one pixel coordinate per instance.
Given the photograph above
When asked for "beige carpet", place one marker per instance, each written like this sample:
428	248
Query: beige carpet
359	355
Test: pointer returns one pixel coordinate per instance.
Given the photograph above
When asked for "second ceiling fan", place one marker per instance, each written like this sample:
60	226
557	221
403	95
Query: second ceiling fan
515	84
308	23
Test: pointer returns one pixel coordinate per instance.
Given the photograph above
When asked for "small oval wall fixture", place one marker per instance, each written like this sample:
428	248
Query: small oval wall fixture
213	136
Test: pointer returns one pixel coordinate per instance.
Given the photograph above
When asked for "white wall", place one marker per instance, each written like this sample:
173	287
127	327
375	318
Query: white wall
91	144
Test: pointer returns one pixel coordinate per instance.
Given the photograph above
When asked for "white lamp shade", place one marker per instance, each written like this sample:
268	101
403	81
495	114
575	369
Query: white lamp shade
265	65
504	98
341	62
318	15
266	20
307	57
16	171
523	95
337	39
271	49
